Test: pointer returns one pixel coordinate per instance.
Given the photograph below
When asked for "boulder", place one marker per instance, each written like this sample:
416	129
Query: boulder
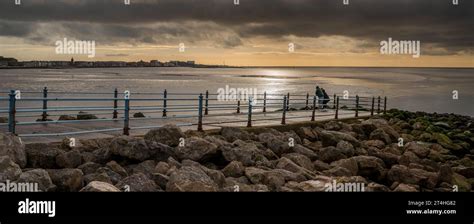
190	178
97	186
138	182
196	149
246	153
89	167
41	155
277	144
66	179
117	168
331	138
350	164
232	133
403	174
138	115
305	151
420	150
66	118
300	160
331	153
406	188
39	176
168	135
371	167
130	148
345	148
9	170
379	134
160	179
259	176
307	133
162	167
85	116
71	159
146	167
234	169
13	147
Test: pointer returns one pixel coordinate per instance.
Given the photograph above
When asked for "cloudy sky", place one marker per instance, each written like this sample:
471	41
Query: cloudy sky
253	33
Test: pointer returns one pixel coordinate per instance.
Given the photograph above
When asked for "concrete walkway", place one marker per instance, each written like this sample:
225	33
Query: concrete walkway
210	121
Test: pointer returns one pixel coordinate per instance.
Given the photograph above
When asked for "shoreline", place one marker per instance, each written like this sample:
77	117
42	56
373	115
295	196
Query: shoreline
401	151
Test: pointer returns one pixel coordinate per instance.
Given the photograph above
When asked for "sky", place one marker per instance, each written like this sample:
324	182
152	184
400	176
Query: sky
252	33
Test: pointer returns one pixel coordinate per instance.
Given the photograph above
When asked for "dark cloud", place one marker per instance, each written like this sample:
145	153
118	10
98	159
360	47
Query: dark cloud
436	22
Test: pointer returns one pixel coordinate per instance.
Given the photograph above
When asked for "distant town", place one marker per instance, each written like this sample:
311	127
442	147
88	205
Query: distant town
14	63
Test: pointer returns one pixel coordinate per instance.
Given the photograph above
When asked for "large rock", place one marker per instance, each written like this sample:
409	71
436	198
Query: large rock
234	169
446	174
190	178
379	134
168	135
307	133
71	159
287	164
259	176
9	170
117	168
406	188
331	153
331	138
89	167
38	176
159	151
42	156
371	167
196	149
66	179
11	146
138	182
246	153
420	150
300	160
130	148
306	152
232	133
278	144
97	186
350	164
403	174
345	148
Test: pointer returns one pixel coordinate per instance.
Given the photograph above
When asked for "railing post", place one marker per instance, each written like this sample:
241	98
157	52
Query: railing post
385	105
283	117
44	116
307	100
314	108
238	106
378	105
337	108
334	102
115	103
372	110
165	101
206	111
12	113
249	120
126	119
265	101
200	113
288	101
357	106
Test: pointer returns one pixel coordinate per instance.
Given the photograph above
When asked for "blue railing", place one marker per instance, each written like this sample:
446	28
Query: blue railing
195	106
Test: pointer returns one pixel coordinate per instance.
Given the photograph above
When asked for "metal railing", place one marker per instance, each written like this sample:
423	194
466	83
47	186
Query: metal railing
194	106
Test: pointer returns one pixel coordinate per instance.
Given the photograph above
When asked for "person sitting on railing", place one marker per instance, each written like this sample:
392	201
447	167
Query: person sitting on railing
320	96
326	98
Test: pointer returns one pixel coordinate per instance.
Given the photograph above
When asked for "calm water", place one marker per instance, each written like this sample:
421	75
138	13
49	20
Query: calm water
407	88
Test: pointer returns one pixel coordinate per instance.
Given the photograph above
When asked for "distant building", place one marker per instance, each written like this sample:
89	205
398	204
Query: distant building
191	63
155	63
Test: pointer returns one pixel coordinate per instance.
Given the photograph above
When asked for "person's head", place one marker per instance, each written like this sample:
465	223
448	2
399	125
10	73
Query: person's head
317	87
